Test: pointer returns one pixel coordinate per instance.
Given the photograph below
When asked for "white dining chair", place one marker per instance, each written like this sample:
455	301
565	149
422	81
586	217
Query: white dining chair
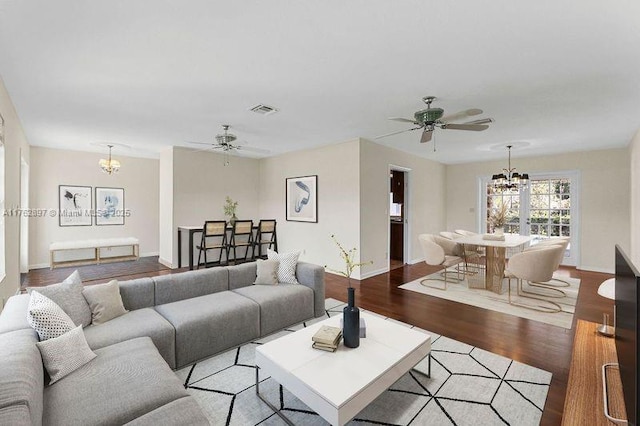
440	251
534	266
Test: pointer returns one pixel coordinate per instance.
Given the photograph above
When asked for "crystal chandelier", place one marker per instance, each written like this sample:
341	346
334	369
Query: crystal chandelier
109	166
509	178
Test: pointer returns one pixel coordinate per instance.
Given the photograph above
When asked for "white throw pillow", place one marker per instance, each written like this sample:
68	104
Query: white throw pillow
64	354
68	295
267	272
287	266
47	318
105	301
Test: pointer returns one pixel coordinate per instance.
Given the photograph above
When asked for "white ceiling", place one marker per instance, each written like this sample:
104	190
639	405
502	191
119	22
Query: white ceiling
556	76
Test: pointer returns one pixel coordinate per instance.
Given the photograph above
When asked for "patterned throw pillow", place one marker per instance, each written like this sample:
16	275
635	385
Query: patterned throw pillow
267	272
287	266
64	354
68	295
47	318
105	301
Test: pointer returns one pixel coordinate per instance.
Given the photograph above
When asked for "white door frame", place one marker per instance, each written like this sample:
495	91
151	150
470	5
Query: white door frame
574	176
406	249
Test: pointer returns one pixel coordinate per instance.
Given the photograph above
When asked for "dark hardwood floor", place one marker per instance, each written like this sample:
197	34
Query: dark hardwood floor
530	342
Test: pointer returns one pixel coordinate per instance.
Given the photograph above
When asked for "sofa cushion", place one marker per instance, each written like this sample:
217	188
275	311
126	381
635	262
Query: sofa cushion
63	355
137	294
68	295
124	382
267	272
175	287
15	415
138	323
242	275
183	411
281	305
14	315
47	318
105	301
21	376
208	324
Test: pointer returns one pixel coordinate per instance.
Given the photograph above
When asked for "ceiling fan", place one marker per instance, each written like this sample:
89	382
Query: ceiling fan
225	143
430	118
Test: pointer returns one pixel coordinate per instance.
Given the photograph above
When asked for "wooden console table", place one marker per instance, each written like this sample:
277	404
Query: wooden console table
584	400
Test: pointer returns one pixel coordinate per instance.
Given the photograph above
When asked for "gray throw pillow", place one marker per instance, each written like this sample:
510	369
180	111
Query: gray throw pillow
64	354
267	271
47	318
105	301
68	295
286	267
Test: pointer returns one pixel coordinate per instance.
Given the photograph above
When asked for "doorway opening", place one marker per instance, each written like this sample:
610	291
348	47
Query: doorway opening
398	217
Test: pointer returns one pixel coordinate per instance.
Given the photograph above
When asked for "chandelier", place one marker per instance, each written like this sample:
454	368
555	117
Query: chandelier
510	179
109	166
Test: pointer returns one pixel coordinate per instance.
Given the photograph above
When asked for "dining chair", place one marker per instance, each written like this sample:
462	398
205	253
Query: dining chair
241	236
440	251
560	241
534	266
214	237
266	235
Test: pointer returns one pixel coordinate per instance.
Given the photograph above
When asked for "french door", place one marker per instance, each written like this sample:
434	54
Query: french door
546	208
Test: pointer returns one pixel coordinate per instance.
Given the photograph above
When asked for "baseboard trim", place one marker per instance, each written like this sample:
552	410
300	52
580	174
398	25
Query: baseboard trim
374	273
166	263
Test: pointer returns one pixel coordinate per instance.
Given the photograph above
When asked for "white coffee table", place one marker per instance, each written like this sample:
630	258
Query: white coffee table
338	385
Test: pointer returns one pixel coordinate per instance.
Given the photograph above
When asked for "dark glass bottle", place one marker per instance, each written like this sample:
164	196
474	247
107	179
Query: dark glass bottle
351	322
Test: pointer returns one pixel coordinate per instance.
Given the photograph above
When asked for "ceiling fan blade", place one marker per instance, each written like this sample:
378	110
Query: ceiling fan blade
480	121
426	136
396	133
246	148
404	120
461	114
202	143
474	127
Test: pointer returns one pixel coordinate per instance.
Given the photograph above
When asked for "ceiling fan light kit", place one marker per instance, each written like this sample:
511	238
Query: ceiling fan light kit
225	142
429	118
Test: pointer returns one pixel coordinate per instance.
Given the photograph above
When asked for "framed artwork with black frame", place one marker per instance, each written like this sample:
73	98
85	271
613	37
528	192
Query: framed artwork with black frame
110	206
74	205
302	198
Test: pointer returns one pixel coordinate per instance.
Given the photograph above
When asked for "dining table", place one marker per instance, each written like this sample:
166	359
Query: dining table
495	254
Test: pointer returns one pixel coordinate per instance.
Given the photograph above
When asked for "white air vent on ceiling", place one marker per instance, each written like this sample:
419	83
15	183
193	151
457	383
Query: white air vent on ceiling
263	109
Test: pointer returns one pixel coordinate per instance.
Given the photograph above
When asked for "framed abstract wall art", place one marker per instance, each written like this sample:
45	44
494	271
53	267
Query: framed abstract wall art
302	198
74	205
110	206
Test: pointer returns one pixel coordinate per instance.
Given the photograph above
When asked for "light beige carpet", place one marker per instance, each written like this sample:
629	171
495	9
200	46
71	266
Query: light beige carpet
499	302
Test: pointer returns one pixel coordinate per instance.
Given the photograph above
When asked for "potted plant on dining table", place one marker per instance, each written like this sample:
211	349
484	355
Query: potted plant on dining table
229	208
498	218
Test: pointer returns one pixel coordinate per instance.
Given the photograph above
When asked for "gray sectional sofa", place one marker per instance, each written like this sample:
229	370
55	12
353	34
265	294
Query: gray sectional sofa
173	321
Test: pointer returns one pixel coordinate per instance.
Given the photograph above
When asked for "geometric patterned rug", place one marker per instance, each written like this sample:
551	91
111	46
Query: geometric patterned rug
468	386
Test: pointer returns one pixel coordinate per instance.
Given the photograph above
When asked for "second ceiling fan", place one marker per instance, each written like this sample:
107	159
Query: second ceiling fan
429	118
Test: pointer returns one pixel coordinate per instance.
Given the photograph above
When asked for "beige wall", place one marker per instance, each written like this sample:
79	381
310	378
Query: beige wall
634	155
53	167
166	232
426	206
201	182
337	167
604	198
16	146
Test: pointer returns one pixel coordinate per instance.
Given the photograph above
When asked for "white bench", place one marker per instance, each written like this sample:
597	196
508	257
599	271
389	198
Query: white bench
96	245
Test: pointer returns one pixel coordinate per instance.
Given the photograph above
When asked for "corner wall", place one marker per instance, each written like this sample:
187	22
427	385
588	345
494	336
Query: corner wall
53	167
604	198
426	202
634	155
337	167
16	147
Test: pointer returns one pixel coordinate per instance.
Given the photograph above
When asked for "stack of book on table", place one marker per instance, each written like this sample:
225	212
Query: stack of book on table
327	338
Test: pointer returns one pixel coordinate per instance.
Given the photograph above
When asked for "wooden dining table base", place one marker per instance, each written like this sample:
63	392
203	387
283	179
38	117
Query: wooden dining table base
494	274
